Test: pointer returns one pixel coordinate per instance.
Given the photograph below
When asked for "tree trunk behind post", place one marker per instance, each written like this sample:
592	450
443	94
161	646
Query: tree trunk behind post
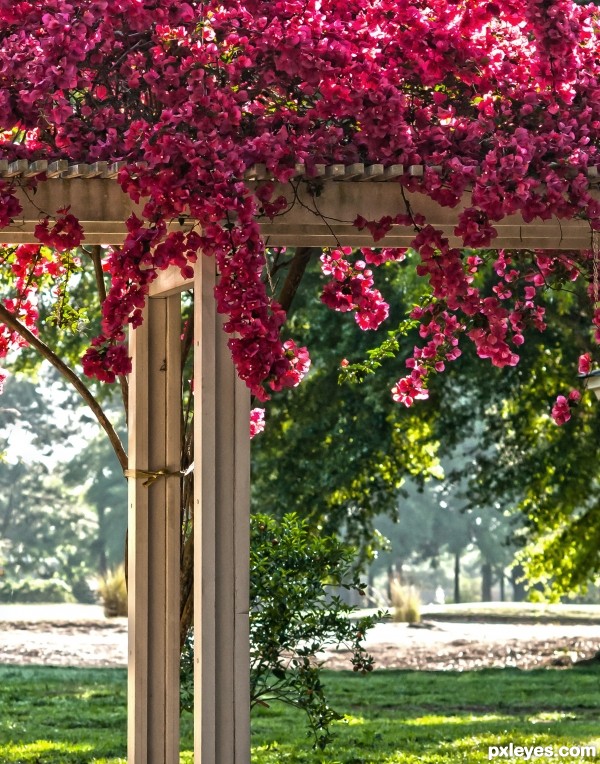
486	582
222	538
154	444
457	577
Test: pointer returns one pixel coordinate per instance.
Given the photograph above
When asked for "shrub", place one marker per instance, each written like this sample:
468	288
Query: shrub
406	602
46	590
112	589
82	591
294	617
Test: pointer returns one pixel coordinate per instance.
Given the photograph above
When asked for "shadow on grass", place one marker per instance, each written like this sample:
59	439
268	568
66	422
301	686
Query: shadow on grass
64	715
78	716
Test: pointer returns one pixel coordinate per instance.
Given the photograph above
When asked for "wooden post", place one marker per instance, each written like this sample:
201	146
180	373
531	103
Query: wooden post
154	512
221	527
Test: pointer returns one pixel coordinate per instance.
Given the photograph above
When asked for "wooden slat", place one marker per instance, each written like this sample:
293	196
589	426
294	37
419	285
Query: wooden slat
103	208
393	171
373	171
98	169
257	172
335	171
205	637
16	168
240	519
138	573
172	525
77	171
170	281
35	168
353	171
114	169
56	169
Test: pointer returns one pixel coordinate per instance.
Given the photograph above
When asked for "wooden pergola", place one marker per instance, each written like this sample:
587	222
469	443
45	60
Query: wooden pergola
222	447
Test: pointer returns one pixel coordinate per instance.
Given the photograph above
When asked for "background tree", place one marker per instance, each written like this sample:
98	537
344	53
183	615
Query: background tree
47	532
520	462
339	454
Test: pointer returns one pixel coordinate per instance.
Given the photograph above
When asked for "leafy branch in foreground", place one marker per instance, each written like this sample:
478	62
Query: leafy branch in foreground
295	614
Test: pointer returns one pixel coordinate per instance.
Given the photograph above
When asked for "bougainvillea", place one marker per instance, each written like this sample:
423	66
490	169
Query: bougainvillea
498	101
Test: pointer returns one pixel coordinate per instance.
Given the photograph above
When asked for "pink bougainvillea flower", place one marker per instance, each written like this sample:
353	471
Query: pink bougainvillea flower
585	363
257	421
561	411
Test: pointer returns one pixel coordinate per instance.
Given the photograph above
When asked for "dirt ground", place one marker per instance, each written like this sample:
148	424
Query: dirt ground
445	646
82	637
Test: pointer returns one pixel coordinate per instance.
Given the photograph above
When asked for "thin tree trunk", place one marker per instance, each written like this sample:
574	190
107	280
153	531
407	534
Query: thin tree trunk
486	582
519	590
457	577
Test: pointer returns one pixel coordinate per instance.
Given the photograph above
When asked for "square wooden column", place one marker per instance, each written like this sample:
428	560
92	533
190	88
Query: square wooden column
222	535
154	533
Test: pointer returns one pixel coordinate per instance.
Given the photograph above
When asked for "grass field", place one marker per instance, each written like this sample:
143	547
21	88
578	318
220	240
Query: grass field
77	716
514	612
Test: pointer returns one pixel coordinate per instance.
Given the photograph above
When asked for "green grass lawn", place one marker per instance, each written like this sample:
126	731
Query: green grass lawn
514	612
76	716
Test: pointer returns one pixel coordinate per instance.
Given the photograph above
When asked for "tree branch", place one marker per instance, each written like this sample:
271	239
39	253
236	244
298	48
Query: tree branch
13	323
95	254
295	273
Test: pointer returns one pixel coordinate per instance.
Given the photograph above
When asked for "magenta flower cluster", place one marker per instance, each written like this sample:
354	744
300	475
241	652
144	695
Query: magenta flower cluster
500	102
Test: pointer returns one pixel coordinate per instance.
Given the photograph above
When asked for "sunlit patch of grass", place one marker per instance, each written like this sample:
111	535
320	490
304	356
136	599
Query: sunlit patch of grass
44	749
423	721
352	720
548	716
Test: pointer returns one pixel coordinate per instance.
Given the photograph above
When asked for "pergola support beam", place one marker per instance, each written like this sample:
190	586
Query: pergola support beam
222	538
154	533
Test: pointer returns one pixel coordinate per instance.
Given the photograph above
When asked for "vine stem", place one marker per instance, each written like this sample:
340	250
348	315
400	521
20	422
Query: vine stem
95	255
69	375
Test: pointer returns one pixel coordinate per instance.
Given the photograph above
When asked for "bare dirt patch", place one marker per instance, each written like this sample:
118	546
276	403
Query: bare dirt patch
91	644
87	640
465	646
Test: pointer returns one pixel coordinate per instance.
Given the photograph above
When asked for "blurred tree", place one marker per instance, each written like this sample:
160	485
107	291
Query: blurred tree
341	454
46	530
96	470
338	455
519	462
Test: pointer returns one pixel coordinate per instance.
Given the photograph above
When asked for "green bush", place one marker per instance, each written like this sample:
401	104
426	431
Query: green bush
44	590
293	617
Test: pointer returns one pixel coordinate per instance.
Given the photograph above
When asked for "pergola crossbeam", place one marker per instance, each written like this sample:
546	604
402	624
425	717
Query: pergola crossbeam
322	210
